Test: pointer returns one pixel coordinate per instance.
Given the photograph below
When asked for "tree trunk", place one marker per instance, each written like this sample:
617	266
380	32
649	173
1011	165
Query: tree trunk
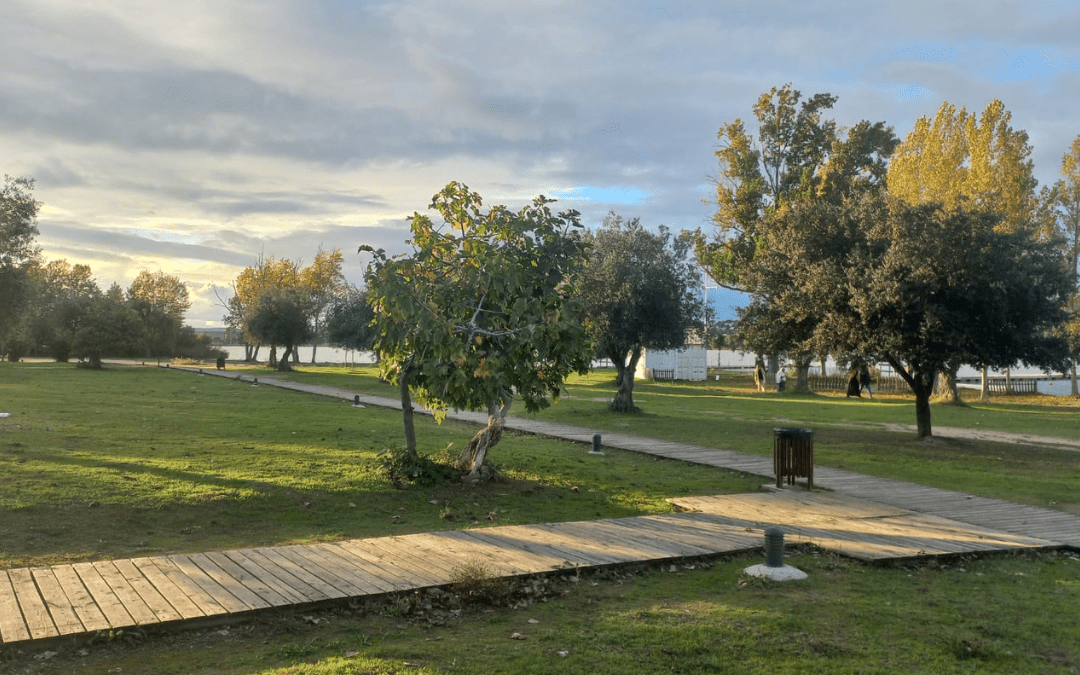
772	366
473	459
1008	381
802	374
1072	377
407	413
984	388
922	385
624	397
273	356
823	373
285	364
314	346
945	389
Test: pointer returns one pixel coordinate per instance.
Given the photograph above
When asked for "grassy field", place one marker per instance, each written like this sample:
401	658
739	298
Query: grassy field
852	434
138	461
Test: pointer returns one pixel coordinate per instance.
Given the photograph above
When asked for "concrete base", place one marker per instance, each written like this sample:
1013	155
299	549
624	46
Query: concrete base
785	573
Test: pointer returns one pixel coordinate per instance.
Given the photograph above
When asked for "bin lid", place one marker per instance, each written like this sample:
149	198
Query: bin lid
794	433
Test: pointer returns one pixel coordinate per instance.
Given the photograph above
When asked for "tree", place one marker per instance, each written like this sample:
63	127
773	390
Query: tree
640	290
280	317
1065	197
348	321
161	300
797	155
62	297
113	328
484	308
248	287
18	215
323	283
917	286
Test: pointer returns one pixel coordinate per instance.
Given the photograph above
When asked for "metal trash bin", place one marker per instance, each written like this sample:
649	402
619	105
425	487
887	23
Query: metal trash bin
793	455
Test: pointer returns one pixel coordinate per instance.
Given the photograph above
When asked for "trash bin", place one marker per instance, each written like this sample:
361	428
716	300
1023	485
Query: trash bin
793	455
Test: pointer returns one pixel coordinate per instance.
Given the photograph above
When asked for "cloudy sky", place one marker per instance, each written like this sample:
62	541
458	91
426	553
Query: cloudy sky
193	137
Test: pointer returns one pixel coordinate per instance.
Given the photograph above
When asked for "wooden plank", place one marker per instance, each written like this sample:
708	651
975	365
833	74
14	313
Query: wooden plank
104	597
577	543
63	614
34	611
542	556
390	563
233	586
466	546
264	573
347	567
12	626
157	603
133	603
319	589
90	615
34	607
253	582
405	554
228	602
194	592
329	582
295	586
596	534
178	597
381	564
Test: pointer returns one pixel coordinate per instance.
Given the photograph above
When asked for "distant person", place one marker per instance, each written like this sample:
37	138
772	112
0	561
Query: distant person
759	376
781	380
864	381
853	387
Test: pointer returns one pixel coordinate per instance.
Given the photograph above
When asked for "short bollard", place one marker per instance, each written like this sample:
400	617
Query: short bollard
774	547
254	381
774	568
356	401
596	445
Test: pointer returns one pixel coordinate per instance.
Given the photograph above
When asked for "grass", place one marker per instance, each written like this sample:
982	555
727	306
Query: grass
850	433
135	461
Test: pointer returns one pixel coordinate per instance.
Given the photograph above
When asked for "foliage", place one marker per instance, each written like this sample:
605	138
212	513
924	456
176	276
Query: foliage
112	328
348	321
919	287
61	299
640	291
404	467
161	300
322	283
484	308
18	215
280	317
249	286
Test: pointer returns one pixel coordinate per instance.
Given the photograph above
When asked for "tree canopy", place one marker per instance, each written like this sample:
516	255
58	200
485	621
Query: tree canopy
18	231
641	291
916	286
484	308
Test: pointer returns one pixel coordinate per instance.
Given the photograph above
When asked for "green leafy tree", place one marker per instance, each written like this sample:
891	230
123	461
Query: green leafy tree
248	288
485	308
796	155
1065	198
161	300
112	329
348	321
641	291
967	161
281	317
916	286
61	300
18	251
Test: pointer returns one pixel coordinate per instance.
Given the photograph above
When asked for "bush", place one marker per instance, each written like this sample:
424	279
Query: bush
407	468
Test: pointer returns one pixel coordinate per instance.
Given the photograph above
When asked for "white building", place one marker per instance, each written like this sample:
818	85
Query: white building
687	363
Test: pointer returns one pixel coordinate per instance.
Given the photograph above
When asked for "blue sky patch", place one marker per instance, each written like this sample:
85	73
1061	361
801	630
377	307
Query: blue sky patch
604	195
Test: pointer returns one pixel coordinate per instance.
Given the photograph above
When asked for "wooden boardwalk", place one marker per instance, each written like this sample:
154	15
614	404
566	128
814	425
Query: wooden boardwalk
84	598
859	516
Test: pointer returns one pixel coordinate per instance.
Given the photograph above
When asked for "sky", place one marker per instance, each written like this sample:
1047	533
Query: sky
195	137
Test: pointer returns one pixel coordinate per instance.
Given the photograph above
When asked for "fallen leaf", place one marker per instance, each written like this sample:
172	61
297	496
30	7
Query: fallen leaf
517	636
351	655
563	653
532	621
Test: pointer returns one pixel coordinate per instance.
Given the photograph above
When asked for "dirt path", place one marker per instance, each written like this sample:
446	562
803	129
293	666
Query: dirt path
977	435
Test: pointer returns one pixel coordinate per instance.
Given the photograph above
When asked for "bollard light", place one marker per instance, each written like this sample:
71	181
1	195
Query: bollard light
774	568
596	445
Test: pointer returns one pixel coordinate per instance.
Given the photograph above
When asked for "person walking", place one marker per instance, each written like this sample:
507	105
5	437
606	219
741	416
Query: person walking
864	381
781	380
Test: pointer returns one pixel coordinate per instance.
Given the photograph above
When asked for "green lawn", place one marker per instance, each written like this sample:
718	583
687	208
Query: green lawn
141	461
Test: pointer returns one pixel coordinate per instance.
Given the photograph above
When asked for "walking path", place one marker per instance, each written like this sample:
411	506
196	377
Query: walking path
860	516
